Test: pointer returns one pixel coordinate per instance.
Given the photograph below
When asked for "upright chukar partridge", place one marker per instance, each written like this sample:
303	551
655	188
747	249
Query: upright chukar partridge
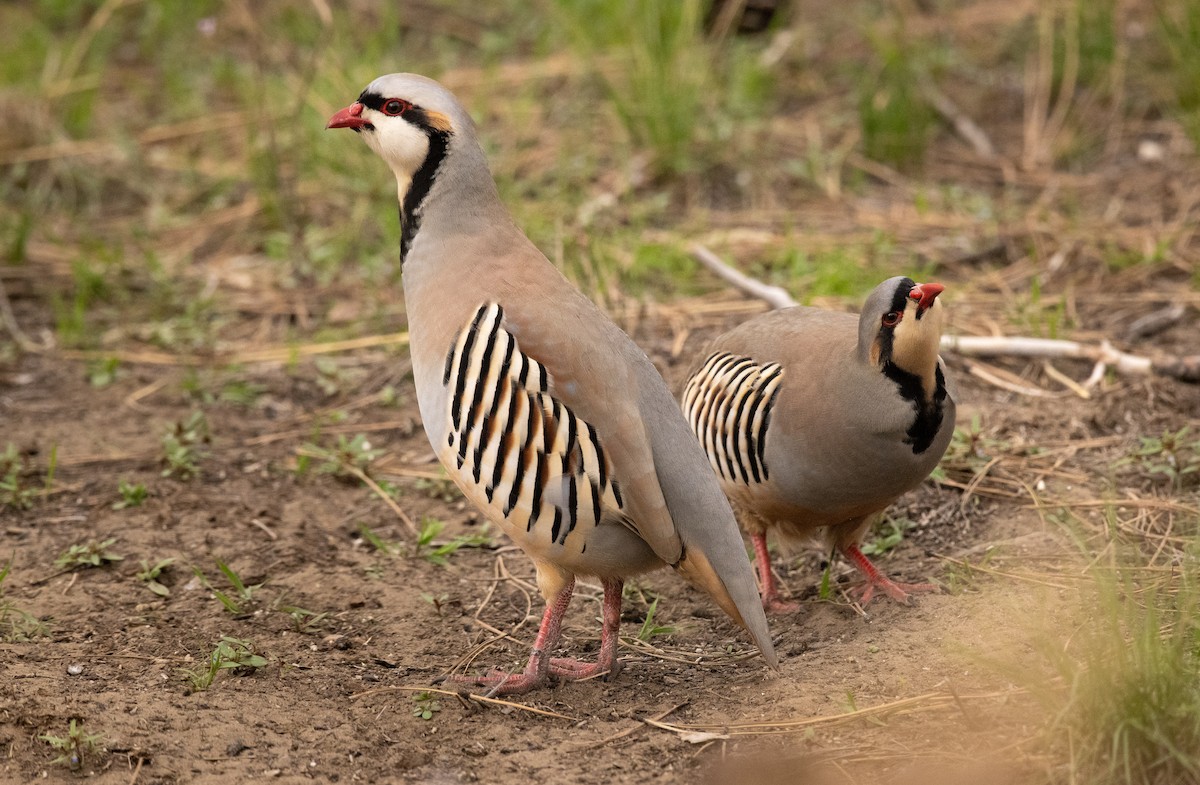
814	419
545	414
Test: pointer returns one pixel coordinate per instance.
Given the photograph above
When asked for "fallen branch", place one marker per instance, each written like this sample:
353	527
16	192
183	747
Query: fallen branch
963	125
9	319
1104	355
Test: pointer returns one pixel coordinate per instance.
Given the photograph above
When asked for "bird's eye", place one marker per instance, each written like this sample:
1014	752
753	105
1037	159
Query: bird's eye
395	107
891	318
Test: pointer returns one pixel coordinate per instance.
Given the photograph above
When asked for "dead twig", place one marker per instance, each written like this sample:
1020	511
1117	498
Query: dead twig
662	715
1001	573
270	354
374	486
930	700
774	296
963	125
22	340
468	695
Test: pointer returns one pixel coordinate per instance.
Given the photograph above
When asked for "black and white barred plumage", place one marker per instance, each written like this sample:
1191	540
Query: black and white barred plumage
728	403
538	464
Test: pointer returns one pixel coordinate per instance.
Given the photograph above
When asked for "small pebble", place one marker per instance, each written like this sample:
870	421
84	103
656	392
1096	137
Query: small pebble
1150	151
74	669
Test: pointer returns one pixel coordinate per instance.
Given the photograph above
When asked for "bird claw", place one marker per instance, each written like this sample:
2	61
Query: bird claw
573	670
499	682
900	592
774	603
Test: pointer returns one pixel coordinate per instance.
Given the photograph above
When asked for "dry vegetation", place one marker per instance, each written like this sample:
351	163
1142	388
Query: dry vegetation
226	552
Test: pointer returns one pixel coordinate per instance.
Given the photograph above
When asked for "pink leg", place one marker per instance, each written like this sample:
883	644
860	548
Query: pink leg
541	667
606	663
772	600
537	670
877	580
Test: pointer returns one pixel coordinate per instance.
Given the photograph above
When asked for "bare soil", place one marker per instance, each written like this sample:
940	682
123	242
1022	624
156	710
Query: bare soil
335	703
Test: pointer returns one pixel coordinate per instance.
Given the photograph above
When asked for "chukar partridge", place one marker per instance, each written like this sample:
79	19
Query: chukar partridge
819	420
543	411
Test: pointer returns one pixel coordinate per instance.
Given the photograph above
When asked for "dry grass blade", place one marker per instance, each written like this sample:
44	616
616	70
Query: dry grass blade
928	701
468	696
1001	573
268	438
382	494
500	574
662	715
270	354
374	486
12	325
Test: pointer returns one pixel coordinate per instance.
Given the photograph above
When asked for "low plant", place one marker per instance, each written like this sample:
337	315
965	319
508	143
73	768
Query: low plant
14	491
304	621
16	624
232	654
183	446
970	450
1175	456
333	378
150	572
438	601
132	495
427	706
73	747
888	534
442	488
239	598
90	554
348	459
102	373
897	122
650	628
440	553
382	546
1179	30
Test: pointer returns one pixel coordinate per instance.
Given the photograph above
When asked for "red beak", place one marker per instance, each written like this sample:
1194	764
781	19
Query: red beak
925	294
350	117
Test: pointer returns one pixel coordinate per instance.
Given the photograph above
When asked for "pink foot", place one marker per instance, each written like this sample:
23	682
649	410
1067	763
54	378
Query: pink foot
774	603
541	668
500	683
574	670
874	579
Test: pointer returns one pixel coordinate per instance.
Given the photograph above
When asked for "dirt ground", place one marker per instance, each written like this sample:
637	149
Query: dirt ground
335	703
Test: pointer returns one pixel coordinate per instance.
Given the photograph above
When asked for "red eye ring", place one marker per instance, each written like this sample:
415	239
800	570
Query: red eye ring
892	318
395	107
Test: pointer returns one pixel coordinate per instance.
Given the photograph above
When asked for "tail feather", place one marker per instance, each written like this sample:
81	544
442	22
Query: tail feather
696	567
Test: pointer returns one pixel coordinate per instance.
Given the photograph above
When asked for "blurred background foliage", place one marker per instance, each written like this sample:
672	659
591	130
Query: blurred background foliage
163	162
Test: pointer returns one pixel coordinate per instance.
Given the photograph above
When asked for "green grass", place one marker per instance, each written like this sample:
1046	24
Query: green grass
896	121
678	95
1123	691
94	553
1179	32
75	747
846	271
15	489
17	625
183	446
230	654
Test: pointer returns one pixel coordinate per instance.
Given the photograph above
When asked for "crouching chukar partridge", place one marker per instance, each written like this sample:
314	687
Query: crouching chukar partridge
545	414
818	419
